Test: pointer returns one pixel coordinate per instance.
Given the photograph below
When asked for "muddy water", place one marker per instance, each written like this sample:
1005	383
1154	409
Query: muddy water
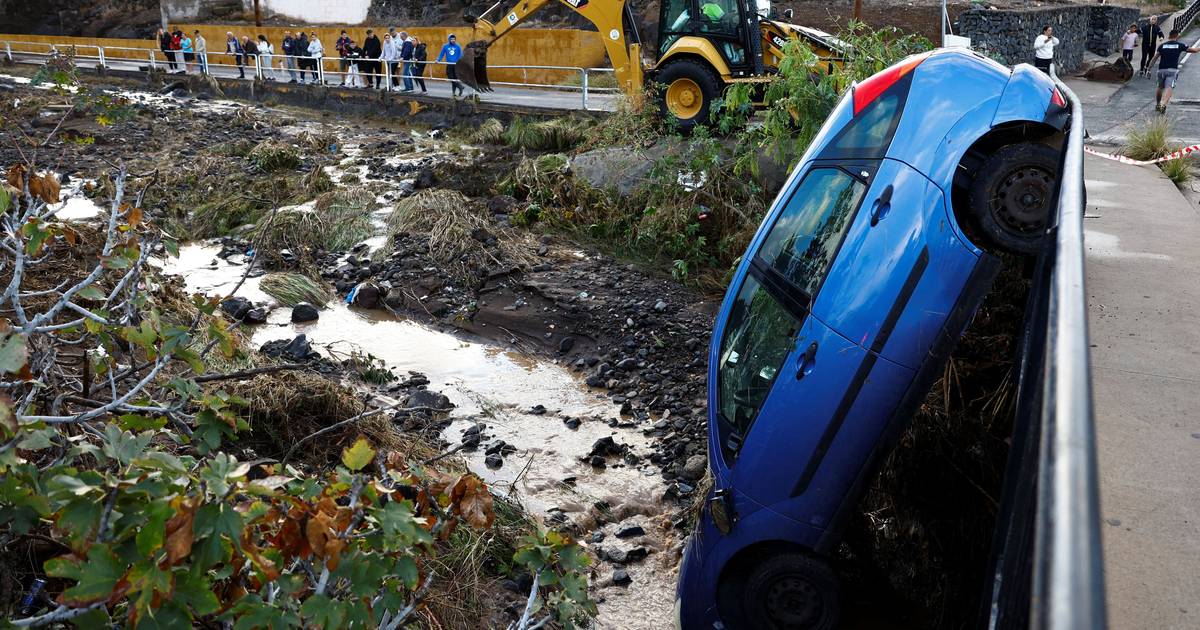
548	473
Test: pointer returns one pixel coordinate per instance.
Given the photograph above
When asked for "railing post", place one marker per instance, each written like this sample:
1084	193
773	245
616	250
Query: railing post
153	61
8	51
321	70
583	71
387	75
257	68
100	53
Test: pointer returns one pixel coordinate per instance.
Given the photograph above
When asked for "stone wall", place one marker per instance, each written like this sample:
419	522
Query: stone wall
1008	35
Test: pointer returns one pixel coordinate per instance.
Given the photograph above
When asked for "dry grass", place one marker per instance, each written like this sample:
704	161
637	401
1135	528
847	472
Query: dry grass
284	407
1178	170
333	222
490	132
289	289
347	216
1149	140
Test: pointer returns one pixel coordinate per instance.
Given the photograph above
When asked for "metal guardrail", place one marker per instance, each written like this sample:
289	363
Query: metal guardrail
1185	19
1047	566
258	67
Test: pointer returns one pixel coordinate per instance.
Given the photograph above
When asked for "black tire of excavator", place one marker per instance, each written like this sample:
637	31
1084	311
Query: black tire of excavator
705	78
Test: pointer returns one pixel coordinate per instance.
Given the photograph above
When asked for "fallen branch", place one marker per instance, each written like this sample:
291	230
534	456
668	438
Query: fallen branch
252	372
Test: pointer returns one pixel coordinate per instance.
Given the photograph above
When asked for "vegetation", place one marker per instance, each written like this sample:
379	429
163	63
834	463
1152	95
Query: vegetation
1150	140
290	289
128	481
1178	170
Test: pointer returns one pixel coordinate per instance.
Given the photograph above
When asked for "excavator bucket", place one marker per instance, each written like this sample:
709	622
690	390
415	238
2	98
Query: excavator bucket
472	67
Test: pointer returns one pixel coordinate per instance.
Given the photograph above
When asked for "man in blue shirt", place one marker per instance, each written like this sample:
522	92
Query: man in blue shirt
451	53
1168	69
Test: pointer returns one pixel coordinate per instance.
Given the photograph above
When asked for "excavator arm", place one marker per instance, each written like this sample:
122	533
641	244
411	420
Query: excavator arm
606	15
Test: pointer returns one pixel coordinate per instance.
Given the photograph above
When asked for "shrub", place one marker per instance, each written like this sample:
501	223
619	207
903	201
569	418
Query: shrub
290	289
271	155
490	132
1149	140
1178	170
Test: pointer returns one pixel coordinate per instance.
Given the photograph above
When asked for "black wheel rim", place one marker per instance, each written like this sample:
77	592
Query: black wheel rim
793	602
1022	200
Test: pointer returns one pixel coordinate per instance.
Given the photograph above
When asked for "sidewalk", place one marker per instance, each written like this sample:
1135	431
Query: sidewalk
1143	281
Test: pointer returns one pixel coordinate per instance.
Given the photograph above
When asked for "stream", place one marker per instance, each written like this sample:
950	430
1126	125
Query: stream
549	472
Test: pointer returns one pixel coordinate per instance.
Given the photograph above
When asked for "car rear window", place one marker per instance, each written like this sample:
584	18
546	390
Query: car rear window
870	132
807	234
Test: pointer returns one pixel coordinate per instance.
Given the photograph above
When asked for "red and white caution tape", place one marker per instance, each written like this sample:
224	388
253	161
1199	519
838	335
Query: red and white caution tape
1128	160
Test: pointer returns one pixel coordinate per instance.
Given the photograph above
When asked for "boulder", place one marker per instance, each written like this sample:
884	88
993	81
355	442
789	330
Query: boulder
304	312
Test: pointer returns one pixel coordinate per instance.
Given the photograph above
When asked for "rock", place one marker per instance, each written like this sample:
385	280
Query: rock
298	349
597	461
481	235
538	410
304	312
367	296
694	468
660	306
597	537
427	399
256	315
627	364
499	447
493	461
566	345
237	307
606	446
425	179
621	577
572	423
629	531
501	204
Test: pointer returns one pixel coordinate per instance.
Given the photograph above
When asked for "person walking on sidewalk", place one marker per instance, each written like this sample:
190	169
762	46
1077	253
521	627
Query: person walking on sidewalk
451	52
289	55
1168	69
1128	43
420	56
1151	33
1043	49
201	46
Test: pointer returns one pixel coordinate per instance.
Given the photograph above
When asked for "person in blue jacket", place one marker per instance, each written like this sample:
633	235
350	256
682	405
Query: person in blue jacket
451	53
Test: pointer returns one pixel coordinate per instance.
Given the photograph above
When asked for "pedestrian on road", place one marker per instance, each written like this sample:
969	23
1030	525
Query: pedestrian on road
373	52
201	46
420	56
1168	69
1128	43
391	56
1151	33
451	52
289	52
266	53
315	51
234	47
1043	49
164	44
406	55
189	53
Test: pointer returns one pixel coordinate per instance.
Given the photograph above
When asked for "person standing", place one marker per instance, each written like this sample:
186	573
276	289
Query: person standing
164	44
1043	49
451	52
406	55
1151	33
354	53
1168	69
176	49
289	55
316	51
373	51
201	46
189	53
420	55
1128	43
250	49
391	55
266	53
342	46
234	47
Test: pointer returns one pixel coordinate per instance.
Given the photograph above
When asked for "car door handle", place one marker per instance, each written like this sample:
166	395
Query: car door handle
805	363
882	206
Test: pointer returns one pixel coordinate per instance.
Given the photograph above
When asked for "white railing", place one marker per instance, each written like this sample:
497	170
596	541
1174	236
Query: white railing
307	69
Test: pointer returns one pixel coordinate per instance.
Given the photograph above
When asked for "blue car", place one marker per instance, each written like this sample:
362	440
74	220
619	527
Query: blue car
847	303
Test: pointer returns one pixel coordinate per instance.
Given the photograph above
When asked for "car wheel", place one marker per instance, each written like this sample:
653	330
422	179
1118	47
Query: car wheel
791	591
1013	194
690	88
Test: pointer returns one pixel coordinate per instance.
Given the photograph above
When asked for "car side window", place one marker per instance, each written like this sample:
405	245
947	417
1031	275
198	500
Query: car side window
871	131
807	235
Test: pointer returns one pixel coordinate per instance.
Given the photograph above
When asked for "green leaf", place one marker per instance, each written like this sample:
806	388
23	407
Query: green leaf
38	439
359	455
95	578
172	247
153	528
123	446
5	200
323	612
92	292
406	570
12	351
139	422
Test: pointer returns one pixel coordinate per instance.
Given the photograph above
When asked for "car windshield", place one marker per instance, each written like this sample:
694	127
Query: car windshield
758	337
806	236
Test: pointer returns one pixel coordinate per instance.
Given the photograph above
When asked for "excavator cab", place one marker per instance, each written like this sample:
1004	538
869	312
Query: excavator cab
730	25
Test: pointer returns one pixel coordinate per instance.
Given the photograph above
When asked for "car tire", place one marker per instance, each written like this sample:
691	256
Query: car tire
1012	196
791	591
689	89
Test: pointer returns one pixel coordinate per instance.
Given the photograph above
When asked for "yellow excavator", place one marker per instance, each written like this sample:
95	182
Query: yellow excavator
703	47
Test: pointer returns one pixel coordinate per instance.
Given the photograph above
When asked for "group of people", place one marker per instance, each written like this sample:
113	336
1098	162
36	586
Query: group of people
1169	54
359	65
182	50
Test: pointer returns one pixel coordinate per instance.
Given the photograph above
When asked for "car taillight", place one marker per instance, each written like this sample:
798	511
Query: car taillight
878	83
1056	97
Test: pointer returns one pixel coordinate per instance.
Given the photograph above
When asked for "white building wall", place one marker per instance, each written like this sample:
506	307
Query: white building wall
316	11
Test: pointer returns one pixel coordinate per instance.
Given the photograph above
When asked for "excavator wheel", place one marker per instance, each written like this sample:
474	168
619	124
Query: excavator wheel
690	87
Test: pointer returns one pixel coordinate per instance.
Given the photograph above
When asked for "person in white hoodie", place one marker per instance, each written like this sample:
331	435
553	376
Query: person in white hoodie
315	51
1043	49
